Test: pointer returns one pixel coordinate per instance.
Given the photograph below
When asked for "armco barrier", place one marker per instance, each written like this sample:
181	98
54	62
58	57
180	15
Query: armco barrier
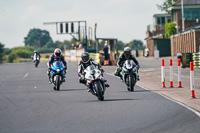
196	59
97	57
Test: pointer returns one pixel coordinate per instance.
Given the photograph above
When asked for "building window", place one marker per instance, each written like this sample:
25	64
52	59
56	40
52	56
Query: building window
174	16
192	14
168	20
158	20
163	20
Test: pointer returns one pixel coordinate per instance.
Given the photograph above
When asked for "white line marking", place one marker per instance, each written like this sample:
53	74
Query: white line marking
25	75
191	109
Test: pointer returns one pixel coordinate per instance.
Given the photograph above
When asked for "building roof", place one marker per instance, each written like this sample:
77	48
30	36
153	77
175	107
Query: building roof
193	27
187	2
106	38
158	15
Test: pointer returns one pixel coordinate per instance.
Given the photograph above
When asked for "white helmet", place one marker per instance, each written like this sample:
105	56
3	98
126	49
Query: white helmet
127	51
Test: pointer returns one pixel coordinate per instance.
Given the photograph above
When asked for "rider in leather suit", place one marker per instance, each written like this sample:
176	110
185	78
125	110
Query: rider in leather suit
56	57
123	57
84	63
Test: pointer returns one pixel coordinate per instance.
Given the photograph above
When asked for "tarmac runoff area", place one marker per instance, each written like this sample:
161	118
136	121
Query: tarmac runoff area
150	79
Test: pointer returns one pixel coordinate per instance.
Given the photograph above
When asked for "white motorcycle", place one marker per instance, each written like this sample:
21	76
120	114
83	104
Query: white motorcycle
36	60
95	81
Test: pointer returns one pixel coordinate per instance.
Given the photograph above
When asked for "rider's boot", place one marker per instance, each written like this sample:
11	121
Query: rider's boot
138	78
107	85
49	77
63	78
104	80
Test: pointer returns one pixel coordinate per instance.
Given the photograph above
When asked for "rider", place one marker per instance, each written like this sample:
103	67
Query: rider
84	63
35	54
56	57
123	57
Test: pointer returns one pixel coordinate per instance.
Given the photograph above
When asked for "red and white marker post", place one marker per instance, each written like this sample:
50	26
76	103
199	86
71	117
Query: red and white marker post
171	72
163	72
179	73
192	80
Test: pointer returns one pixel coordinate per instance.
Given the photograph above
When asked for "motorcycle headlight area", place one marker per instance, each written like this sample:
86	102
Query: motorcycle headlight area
90	77
134	69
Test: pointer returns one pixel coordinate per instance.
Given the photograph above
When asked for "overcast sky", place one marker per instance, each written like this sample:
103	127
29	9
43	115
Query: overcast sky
122	19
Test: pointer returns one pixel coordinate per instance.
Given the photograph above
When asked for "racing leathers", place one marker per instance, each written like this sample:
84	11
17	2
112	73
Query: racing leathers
35	56
82	66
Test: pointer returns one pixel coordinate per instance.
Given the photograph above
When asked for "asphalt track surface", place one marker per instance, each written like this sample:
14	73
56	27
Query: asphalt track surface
28	104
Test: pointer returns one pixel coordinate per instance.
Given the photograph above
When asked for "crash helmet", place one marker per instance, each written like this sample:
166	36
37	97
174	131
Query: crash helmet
85	57
127	51
57	52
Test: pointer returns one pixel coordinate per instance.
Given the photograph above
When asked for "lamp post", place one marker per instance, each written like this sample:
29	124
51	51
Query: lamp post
183	19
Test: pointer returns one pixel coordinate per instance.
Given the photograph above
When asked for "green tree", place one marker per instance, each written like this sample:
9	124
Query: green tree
120	45
37	38
170	29
66	43
135	45
1	52
166	4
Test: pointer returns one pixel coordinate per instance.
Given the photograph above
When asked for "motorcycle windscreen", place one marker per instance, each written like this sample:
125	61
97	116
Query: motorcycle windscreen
129	64
91	69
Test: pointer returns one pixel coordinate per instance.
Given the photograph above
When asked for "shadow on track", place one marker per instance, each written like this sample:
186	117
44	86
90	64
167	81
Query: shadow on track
119	99
72	89
111	100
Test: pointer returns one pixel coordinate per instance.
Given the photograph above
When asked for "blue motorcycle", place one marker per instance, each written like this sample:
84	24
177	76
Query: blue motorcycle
57	75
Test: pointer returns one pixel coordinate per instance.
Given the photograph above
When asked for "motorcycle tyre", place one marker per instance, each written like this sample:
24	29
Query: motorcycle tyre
57	82
99	92
131	83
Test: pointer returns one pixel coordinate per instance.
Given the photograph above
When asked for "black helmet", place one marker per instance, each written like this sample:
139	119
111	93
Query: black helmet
127	51
85	57
35	51
57	52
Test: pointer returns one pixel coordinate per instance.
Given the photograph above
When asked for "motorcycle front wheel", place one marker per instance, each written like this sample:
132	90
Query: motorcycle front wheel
131	83
99	92
57	82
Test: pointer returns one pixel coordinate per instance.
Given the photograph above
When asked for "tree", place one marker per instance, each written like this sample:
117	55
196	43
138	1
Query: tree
135	45
166	4
120	45
170	29
37	38
1	52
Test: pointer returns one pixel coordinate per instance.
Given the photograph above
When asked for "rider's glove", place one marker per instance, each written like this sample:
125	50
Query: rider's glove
65	69
138	66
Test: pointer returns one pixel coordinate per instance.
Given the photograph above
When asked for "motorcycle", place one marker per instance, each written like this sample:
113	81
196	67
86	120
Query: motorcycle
129	74
95	82
57	75
36	60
